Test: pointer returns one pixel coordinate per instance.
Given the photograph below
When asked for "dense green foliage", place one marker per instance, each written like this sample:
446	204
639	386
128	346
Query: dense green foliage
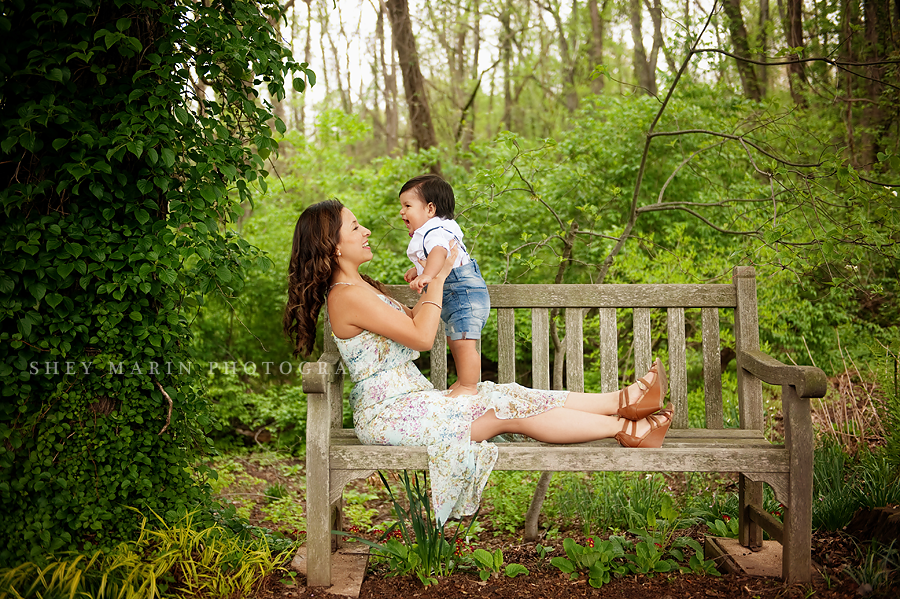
120	175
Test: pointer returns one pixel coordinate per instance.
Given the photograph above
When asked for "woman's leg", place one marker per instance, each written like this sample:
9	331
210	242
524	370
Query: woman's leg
606	403
558	425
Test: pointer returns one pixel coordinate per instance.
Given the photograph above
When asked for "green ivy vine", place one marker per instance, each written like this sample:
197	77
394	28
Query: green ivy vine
130	134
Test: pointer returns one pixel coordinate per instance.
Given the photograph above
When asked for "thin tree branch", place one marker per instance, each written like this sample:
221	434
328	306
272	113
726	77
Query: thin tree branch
842	65
736	138
169	413
607	262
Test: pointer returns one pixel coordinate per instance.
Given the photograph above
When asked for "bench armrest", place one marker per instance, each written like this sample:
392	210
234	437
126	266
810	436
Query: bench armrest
809	381
317	375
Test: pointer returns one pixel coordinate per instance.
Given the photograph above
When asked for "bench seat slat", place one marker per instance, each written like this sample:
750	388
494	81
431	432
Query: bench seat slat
348	435
600	457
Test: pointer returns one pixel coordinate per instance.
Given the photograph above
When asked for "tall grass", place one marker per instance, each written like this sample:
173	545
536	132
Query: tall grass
170	560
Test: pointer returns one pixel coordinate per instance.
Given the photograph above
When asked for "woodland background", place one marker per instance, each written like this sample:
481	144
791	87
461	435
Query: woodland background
154	166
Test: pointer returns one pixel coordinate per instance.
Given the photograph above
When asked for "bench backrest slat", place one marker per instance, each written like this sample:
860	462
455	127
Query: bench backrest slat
439	359
609	350
574	350
643	342
712	368
540	348
677	367
506	345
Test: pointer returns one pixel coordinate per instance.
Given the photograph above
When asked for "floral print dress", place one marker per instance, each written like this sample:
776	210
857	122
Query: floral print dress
394	404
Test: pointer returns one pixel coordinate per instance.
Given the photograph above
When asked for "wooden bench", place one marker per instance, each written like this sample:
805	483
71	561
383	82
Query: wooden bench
334	456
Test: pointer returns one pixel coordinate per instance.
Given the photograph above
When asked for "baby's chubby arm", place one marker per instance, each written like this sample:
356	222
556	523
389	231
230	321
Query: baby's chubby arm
433	265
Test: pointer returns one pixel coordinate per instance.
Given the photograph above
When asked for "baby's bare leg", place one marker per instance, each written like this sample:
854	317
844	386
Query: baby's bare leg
468	366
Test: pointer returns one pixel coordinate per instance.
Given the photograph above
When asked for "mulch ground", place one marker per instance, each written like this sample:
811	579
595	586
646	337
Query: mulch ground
831	552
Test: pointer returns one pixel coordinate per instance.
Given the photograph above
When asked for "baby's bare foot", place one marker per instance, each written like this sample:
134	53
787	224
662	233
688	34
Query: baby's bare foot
456	390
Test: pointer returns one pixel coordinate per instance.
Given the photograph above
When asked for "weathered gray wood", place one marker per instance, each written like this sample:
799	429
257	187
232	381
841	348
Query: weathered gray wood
506	345
347	436
540	348
318	495
606	456
574	350
777	480
750	403
439	359
677	367
609	350
712	368
746	334
809	381
768	523
643	343
597	296
340	478
800	443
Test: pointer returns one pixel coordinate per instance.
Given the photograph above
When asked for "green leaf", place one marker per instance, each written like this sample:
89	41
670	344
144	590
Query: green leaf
74	249
59	143
223	273
513	570
54	299
64	270
142	216
168	157
135	316
37	289
144	186
57	74
123	24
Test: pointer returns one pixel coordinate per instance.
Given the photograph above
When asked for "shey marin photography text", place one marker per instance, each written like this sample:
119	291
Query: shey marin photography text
56	368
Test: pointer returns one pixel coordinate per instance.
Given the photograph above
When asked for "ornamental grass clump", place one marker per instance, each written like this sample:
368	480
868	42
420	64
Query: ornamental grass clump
416	543
171	560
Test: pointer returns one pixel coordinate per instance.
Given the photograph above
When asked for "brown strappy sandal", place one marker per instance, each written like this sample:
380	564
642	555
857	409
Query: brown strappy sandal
659	426
650	401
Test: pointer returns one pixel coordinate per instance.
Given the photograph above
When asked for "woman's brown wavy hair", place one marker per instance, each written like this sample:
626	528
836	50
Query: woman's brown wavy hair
313	258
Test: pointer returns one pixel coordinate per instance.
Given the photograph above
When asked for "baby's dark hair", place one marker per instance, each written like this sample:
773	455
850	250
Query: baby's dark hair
433	190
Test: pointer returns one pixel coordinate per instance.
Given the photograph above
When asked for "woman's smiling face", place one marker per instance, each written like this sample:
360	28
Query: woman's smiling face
354	243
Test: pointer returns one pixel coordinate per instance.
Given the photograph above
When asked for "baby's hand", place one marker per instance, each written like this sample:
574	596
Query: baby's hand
420	283
410	275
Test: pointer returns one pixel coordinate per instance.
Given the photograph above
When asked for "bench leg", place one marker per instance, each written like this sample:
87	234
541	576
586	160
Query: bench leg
750	493
796	563
318	490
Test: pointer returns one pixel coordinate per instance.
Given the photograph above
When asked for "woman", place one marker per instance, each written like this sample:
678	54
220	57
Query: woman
393	404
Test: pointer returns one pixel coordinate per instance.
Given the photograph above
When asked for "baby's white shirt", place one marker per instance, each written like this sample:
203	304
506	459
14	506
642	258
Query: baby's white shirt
446	231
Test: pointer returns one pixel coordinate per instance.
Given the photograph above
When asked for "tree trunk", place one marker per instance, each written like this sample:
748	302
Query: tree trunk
389	75
597	26
413	81
742	49
763	43
878	45
506	51
793	27
849	53
646	80
565	54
